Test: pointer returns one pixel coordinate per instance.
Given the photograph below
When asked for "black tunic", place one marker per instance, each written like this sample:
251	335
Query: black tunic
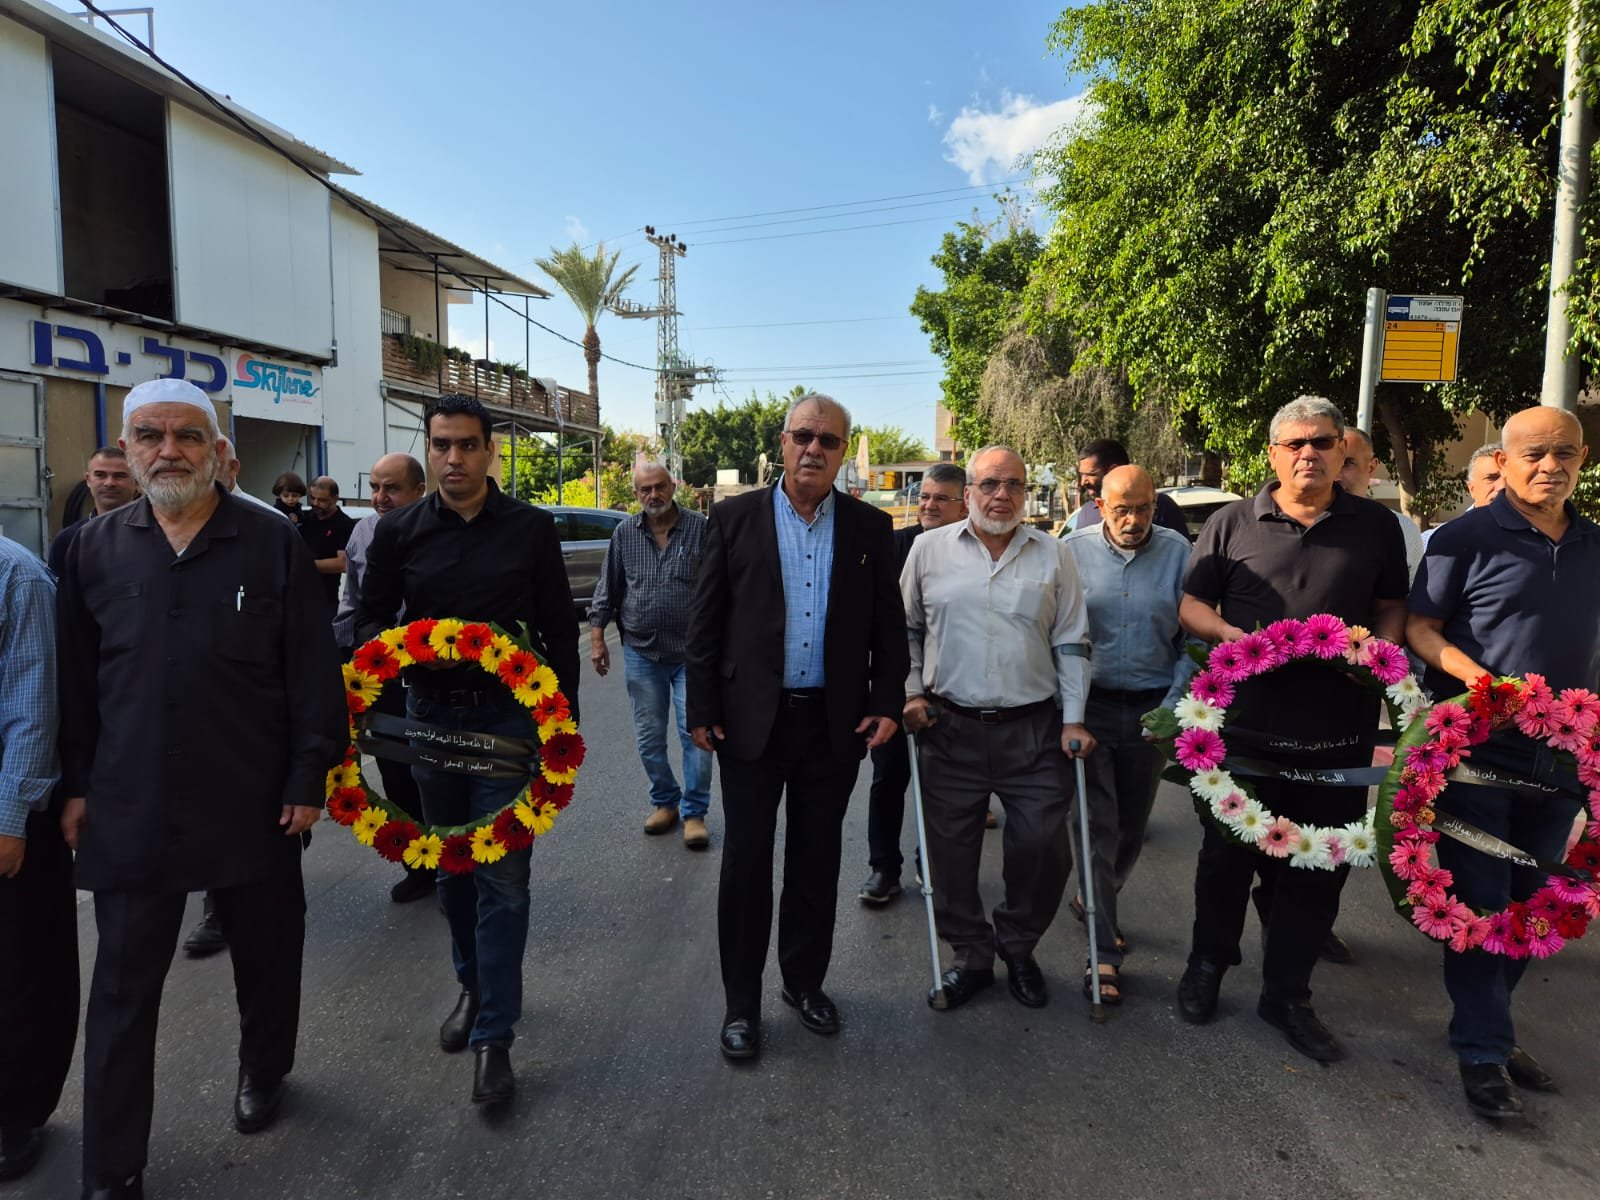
200	693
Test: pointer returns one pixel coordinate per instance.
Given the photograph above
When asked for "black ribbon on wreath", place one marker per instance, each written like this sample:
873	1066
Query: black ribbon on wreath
494	755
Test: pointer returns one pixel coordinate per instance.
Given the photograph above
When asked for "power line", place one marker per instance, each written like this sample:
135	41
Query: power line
779	212
772	237
348	198
860	212
903	362
787	324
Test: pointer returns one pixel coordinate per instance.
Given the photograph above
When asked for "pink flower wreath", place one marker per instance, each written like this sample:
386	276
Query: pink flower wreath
1558	912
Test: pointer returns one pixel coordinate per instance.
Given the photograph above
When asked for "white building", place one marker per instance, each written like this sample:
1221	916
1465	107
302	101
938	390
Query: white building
147	233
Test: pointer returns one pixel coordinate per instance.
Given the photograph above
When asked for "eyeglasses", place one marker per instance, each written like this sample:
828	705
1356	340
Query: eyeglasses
1122	511
990	486
936	498
804	437
1323	443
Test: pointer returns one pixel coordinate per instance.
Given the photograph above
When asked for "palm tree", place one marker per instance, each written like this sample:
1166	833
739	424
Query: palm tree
591	282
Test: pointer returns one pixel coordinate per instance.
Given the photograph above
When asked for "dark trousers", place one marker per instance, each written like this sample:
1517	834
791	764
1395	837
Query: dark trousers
962	763
39	1000
399	787
886	804
800	764
1304	902
1122	776
1480	984
265	924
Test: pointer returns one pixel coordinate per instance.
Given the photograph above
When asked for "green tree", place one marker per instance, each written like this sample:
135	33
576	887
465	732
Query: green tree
1249	169
733	437
537	474
592	283
890	443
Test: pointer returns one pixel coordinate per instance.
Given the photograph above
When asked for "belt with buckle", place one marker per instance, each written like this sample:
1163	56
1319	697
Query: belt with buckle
997	716
796	697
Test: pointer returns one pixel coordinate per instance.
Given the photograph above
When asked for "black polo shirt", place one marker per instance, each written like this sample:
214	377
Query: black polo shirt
1259	566
1512	599
325	538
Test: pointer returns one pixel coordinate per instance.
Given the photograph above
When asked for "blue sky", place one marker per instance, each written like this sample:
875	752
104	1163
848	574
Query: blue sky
512	127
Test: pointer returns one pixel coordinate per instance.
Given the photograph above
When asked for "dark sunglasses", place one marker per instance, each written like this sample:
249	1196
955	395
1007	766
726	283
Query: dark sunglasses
1324	443
804	437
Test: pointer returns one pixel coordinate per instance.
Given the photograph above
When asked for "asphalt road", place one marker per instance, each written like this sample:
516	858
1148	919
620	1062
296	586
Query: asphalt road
623	1092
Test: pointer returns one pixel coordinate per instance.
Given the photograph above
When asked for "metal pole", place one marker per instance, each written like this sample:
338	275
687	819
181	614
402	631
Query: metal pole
1371	357
512	490
438	337
936	996
1097	1010
599	488
1561	369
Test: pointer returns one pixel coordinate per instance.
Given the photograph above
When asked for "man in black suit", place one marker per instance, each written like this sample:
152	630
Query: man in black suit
942	502
797	658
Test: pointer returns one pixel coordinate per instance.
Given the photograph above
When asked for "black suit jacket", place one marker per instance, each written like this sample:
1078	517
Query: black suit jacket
735	651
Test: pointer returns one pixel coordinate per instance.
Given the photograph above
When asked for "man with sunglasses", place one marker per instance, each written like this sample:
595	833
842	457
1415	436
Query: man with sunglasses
942	502
796	655
998	681
1301	546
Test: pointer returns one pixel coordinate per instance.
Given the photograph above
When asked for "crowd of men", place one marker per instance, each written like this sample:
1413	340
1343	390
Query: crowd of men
788	637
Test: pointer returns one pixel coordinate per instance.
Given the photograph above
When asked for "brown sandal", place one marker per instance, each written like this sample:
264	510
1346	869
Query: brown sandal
1110	986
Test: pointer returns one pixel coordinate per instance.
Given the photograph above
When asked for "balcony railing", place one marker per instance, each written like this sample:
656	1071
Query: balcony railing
489	384
394	322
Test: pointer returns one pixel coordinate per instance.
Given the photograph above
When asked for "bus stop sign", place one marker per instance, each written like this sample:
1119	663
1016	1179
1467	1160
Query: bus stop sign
1421	336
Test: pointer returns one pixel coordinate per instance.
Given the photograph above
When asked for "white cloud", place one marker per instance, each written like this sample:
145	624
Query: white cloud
577	230
472	343
989	145
934	115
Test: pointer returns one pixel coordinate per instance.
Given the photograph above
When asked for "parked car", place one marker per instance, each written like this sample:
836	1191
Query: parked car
585	534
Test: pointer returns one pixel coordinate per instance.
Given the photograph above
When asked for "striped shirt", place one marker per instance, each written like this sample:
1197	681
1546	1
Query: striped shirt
648	590
29	714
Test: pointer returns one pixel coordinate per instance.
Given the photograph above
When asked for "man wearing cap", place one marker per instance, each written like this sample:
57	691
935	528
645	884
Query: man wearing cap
186	622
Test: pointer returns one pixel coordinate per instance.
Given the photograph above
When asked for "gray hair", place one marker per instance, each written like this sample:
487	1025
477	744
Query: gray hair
1306	410
1488	451
826	403
945	473
645	463
992	448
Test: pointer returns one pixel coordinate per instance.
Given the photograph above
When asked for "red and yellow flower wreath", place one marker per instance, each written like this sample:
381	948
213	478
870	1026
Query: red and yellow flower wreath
396	834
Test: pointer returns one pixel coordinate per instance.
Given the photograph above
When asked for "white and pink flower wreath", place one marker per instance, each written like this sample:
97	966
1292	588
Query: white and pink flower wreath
1195	724
1556	913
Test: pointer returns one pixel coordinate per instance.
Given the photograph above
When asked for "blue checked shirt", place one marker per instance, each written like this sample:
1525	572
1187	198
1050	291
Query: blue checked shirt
28	712
647	590
806	554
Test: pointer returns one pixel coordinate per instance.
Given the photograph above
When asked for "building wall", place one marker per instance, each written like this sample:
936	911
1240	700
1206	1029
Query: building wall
352	406
413	294
30	254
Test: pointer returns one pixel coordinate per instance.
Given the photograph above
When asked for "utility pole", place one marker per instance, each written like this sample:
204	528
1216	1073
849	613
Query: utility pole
1561	369
675	378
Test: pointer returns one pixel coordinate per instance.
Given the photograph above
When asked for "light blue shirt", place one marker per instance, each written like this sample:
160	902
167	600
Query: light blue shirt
805	552
1133	610
28	710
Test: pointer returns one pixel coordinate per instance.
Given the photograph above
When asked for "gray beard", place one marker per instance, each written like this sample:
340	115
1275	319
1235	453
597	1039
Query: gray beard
173	494
996	527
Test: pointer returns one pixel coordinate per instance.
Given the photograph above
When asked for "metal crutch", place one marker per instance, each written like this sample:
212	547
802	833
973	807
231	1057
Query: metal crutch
1097	1010
936	996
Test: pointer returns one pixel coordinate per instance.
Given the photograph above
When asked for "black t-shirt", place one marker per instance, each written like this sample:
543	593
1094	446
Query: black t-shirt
1259	566
326	538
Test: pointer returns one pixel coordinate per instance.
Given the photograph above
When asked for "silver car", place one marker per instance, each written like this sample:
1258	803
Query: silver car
585	533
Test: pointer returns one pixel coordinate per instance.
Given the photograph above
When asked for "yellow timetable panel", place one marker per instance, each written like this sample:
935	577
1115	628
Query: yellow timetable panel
1421	338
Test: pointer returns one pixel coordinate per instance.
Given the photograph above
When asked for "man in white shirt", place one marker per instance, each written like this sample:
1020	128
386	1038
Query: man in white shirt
998	682
1360	463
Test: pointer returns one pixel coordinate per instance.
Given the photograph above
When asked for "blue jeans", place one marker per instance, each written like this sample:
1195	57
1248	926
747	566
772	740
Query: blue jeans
1480	984
653	687
487	909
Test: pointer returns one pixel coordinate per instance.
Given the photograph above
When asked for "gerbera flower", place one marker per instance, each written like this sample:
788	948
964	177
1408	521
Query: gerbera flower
455	854
1573	921
1543	937
1565	731
543	681
417	641
1211	786
1328	636
516	668
442	639
564	752
1497	938
1194	713
1426	758
1199	749
1250	823
1543	903
1260	653
541	791
549	708
495	653
1583	703
537	817
1535	688
1409	859
486	848
1438	920
345	805
1385	660
1407	692
1227	662
1471	934
1291	639
1229	806
1360	843
549	729
376	658
366	826
473	640
346	775
360	689
1534	718
395	639
1212	689
1309	848
1279	837
423	852
392	839
1585	856
512	833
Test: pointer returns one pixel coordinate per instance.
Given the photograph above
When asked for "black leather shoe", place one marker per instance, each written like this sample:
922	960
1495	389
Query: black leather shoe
256	1104
1524	1069
20	1147
1489	1091
206	939
492	1080
1025	980
1305	1032
817	1012
741	1038
880	888
415	885
958	985
1336	950
1198	989
130	1188
457	1026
